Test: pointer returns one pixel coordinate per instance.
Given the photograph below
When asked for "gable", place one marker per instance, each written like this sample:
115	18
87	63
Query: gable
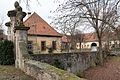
39	27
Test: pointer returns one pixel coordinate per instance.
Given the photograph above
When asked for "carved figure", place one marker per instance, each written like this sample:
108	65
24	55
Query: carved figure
19	14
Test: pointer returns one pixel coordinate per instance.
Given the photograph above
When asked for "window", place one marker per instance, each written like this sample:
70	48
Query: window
82	46
87	45
30	46
54	45
43	45
77	45
110	42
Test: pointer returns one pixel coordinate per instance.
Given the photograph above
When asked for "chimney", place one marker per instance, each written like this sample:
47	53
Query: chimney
29	14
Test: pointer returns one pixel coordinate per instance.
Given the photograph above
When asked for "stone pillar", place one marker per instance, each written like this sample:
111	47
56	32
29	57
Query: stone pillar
8	24
17	31
12	15
21	36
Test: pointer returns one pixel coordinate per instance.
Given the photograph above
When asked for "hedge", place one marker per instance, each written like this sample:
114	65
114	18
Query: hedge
6	53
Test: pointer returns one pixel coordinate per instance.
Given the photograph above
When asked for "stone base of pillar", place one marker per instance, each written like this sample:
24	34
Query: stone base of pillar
21	35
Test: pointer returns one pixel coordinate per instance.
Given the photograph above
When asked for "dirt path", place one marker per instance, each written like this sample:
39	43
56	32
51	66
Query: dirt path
109	71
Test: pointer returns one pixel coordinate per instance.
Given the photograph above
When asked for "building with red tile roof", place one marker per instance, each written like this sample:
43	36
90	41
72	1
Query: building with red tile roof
108	39
42	38
90	37
40	27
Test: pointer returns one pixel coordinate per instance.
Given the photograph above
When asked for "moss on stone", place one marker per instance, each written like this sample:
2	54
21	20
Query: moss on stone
63	75
21	28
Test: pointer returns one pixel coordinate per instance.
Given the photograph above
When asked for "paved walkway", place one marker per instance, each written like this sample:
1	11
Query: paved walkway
109	71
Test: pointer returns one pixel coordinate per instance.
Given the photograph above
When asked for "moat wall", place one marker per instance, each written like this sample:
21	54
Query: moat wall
73	62
39	70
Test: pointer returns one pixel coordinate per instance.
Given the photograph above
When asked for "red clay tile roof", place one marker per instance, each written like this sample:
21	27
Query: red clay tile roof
87	37
90	37
39	27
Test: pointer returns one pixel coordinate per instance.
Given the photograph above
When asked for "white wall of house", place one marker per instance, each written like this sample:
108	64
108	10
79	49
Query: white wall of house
37	43
87	45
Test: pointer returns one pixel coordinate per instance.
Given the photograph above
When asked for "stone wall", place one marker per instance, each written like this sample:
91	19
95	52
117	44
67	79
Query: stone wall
42	71
74	62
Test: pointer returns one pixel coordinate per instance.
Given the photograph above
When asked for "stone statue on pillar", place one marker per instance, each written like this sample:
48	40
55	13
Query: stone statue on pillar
16	16
17	31
19	14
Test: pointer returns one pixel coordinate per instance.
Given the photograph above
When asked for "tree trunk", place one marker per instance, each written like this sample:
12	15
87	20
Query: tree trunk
100	54
118	37
80	47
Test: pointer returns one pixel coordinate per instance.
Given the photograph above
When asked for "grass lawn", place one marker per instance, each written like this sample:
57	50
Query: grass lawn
11	73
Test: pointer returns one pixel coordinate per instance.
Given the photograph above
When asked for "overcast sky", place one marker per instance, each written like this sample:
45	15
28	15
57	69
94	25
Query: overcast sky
43	8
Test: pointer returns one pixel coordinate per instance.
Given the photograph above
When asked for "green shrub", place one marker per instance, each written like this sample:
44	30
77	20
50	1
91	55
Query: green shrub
6	53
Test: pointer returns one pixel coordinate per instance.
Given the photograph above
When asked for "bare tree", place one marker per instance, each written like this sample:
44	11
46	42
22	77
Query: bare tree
1	28
27	2
77	37
73	40
1	22
99	13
